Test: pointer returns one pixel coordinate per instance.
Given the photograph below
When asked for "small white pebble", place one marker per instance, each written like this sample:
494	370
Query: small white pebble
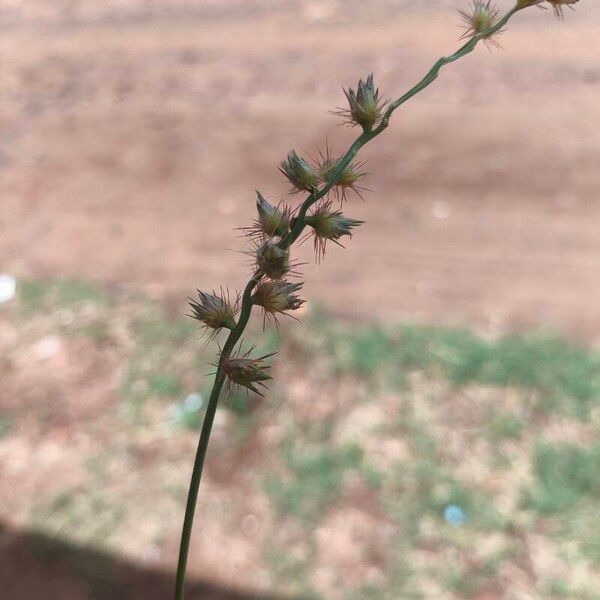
193	402
47	347
8	287
440	210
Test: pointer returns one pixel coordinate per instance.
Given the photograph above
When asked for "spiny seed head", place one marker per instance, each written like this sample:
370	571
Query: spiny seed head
558	6
271	221
329	225
214	311
364	105
246	372
480	20
272	260
348	178
300	174
277	296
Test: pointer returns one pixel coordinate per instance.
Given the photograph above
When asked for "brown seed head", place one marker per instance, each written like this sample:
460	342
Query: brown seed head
277	297
348	179
480	20
559	5
364	105
271	221
214	311
300	174
272	260
246	372
329	225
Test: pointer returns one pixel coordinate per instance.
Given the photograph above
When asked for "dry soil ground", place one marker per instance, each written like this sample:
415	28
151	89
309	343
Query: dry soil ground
134	133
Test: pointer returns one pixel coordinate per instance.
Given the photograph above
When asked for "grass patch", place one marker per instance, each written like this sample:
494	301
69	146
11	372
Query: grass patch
565	473
565	377
41	295
314	479
584	526
89	516
506	426
6	425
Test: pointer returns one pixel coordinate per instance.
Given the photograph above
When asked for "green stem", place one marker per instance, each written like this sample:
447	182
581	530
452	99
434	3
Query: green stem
207	424
286	242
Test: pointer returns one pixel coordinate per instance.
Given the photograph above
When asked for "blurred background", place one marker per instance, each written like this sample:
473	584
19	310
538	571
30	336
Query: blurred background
432	431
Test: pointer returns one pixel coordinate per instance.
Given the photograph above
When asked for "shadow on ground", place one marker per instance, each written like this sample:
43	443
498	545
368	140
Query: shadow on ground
35	566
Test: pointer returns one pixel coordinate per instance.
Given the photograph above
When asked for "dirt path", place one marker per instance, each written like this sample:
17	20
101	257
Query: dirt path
134	133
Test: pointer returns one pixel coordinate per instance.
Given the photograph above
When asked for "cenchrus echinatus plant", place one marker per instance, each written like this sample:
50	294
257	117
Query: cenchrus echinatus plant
327	182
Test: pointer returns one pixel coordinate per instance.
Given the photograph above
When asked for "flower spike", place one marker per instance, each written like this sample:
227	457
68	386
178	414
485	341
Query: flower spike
348	180
300	174
242	371
214	311
277	297
480	20
328	225
558	6
365	107
272	260
271	221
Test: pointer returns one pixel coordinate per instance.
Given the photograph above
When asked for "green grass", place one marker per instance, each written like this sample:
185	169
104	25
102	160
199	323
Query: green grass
565	474
90	516
40	295
505	426
565	377
314	478
583	525
5	425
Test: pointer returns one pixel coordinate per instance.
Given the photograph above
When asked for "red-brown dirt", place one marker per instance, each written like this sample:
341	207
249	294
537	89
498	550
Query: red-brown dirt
133	135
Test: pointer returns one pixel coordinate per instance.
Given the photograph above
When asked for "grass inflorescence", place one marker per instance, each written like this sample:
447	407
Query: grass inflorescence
278	227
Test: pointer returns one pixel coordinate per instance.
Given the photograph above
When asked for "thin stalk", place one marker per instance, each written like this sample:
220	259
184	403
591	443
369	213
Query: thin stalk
286	242
207	424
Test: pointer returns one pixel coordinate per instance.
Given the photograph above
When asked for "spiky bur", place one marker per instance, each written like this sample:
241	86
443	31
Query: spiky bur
480	20
329	225
272	260
214	311
299	172
557	5
271	221
277	297
245	372
365	107
348	180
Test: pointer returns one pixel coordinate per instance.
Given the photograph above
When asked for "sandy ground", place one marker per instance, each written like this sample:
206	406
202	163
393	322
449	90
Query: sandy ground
134	133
